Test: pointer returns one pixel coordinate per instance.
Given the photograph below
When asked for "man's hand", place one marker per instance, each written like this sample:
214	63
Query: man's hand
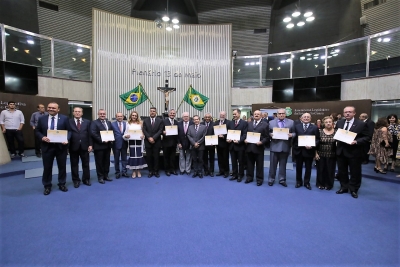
229	140
46	139
65	143
308	147
353	143
259	143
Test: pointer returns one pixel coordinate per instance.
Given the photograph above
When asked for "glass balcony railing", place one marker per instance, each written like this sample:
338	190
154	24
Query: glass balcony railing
378	54
52	57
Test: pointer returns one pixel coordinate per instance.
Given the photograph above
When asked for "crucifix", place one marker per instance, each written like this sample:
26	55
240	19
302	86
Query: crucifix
166	90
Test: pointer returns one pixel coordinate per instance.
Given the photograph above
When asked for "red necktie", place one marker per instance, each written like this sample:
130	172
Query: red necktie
152	122
120	127
236	123
78	124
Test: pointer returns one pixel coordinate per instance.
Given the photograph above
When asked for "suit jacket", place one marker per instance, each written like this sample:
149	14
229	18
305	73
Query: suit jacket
42	127
222	141
362	137
183	140
311	130
242	126
371	127
171	140
95	127
120	142
262	128
154	131
281	145
197	137
80	139
209	131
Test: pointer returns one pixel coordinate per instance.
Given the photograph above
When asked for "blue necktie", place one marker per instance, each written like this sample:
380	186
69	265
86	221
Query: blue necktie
52	123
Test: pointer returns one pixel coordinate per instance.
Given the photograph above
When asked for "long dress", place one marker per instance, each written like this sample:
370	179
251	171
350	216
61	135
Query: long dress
327	160
394	130
380	152
136	160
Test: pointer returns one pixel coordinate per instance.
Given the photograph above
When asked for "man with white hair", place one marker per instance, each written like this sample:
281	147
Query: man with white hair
185	158
223	148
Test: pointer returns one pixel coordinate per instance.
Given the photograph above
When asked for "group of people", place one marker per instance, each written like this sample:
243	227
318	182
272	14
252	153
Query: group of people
197	159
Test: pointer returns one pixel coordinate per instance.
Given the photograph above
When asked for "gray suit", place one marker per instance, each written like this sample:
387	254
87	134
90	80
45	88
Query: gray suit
197	153
280	150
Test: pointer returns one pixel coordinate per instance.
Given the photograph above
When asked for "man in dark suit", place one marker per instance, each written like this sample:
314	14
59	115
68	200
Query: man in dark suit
152	130
120	146
371	126
222	148
53	121
169	144
80	145
351	155
102	149
185	157
304	154
209	151
255	152
196	134
237	147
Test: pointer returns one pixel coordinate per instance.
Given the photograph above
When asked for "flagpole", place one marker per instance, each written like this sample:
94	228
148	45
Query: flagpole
146	94
183	98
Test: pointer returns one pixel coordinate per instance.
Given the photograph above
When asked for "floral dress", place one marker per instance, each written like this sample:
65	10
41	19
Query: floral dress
380	152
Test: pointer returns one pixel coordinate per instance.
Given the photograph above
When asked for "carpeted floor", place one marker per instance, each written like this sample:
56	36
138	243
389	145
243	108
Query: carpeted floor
181	221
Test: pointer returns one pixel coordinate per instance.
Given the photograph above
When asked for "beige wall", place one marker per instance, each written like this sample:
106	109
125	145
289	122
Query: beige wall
73	90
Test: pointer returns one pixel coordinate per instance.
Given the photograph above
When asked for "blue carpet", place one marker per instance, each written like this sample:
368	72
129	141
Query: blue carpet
181	221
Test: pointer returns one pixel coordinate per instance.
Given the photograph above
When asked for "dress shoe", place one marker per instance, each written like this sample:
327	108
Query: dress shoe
117	176
174	173
259	184
342	191
248	181
108	179
101	181
212	174
157	175
239	179
200	175
270	183
87	182
38	155
226	175
150	175
298	185
168	173
219	174
328	188
206	173
354	194
194	175
76	184
47	191
308	186
233	178
283	184
125	174
63	188
181	173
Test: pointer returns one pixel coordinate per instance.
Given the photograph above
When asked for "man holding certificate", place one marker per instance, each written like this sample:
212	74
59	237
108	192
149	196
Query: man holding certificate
351	136
256	138
169	142
185	158
220	129
102	136
209	151
120	146
196	134
304	144
281	131
237	130
56	125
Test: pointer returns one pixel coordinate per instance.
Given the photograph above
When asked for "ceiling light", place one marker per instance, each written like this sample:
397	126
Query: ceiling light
238	70
283	61
159	25
175	26
310	18
287	19
290	25
373	52
301	23
7	34
84	59
308	14
288	60
257	63
316	66
270	69
27	51
165	18
329	56
296	14
39	58
309	54
309	58
31	42
252	63
323	57
175	21
74	59
247	64
15	49
79	50
379	39
316	55
302	58
386	39
316	58
335	55
279	68
337	50
168	28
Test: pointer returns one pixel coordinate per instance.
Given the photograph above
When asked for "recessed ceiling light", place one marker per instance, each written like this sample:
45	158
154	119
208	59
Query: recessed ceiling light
309	58
84	59
31	42
165	18
247	64
316	55
287	19
308	14
252	63
290	25
379	40
296	14
270	69
301	23
302	58
279	68
386	39
373	52
335	55
337	50
310	19
175	20
15	49
288	60
27	51
79	50
176	26
168	28
39	58
309	54
74	59
283	61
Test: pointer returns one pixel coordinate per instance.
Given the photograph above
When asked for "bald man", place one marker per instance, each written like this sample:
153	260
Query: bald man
120	146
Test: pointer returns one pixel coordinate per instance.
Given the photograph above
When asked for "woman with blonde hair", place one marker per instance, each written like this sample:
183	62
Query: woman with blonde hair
136	162
380	147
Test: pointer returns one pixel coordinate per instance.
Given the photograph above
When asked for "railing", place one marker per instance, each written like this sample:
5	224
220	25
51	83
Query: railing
373	55
53	57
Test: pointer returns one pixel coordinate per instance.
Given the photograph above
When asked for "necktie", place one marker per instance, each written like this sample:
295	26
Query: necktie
104	124
78	124
152	122
281	123
196	128
221	122
305	127
185	127
255	124
52	123
347	125
236	123
207	125
172	122
120	127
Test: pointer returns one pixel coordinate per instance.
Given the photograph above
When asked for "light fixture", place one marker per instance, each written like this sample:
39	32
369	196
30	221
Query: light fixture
39	58
290	25
168	28
288	60
252	63
302	58
279	68
84	59
334	55
323	57
165	18
270	69
175	26
283	61
175	21
79	50
310	19
301	23
238	70
257	63
316	55
296	14
308	14
27	51
329	56
379	40
287	19
309	54
385	40
373	52
309	58
74	59
337	50
30	42
247	64
297	19
15	49
6	34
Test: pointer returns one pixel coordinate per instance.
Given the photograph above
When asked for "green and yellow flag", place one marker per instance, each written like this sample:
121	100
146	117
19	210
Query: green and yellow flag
195	99
134	98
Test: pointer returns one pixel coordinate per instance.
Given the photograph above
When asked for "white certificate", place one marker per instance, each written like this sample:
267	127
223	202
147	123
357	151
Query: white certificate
233	135
57	136
220	129
135	134
306	140
171	130
211	140
107	136
253	137
345	136
280	133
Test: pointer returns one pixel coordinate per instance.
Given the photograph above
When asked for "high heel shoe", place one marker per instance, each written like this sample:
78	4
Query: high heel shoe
376	169
133	175
139	175
381	171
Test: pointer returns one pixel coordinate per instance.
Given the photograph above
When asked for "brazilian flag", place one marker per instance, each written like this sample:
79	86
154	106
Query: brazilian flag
134	98
195	99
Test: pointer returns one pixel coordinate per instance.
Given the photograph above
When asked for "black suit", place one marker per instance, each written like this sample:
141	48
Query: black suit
209	151
223	151
169	144
255	153
101	150
185	156
237	150
302	154
53	150
351	156
371	127
78	148
153	150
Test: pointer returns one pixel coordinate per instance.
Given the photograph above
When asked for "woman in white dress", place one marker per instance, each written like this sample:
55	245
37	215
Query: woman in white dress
136	162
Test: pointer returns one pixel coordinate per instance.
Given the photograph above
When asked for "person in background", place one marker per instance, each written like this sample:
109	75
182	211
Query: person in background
325	155
394	130
120	146
334	118
169	144
33	122
237	147
244	117
12	121
380	147
318	123
222	148
371	126
152	130
209	151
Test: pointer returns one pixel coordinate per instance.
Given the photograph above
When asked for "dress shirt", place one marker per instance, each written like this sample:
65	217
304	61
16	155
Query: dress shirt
76	121
11	120
350	123
104	123
35	118
55	122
